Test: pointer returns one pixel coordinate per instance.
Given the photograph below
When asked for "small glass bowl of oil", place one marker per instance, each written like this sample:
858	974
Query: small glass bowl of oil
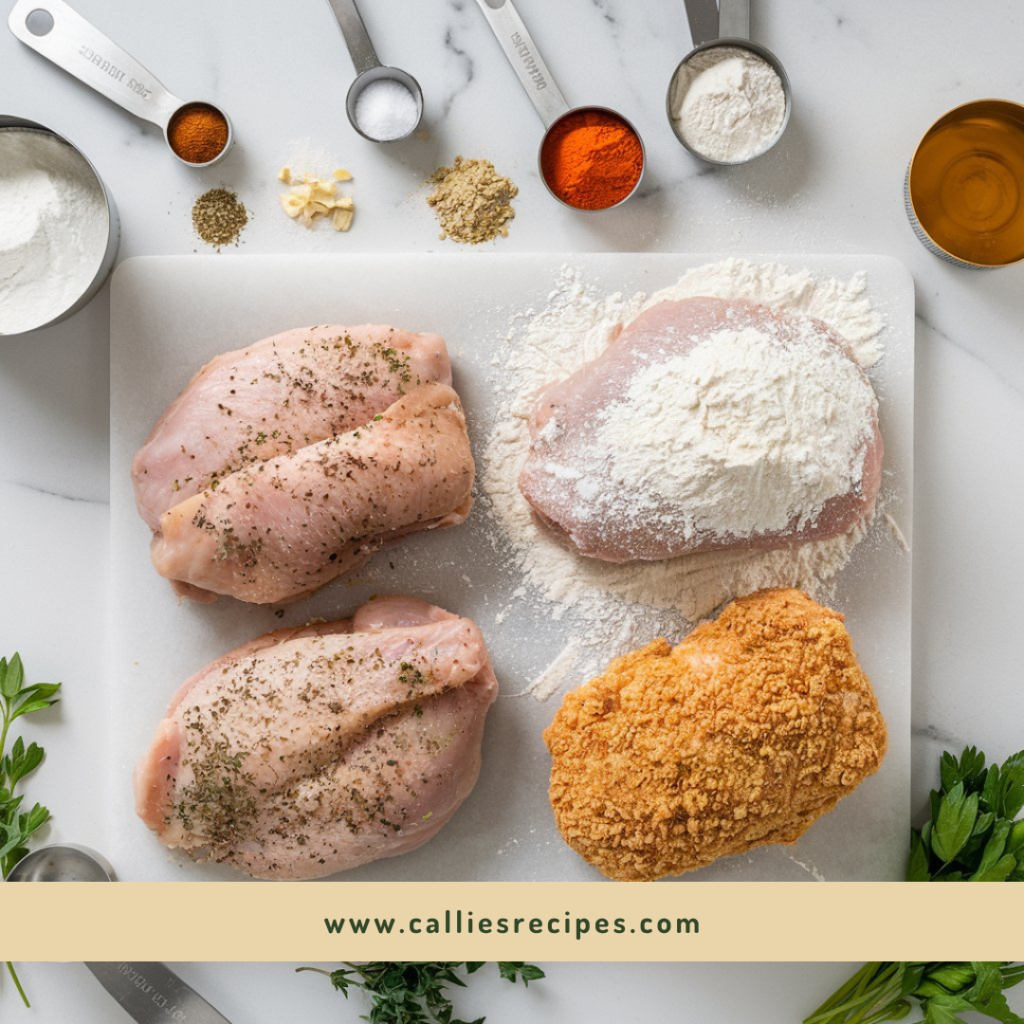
965	185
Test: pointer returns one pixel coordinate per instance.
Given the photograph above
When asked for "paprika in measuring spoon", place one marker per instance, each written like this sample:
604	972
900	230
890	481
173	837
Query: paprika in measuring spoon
198	133
592	158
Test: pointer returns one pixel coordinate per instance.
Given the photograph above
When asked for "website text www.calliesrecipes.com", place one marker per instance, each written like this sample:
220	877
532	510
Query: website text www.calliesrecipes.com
460	922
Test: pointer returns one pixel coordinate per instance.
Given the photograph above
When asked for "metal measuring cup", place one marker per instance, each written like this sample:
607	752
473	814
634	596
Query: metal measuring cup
62	35
106	264
710	28
63	862
369	68
547	98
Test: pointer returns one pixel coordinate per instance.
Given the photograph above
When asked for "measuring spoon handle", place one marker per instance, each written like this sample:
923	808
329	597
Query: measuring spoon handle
708	22
703	18
151	993
734	19
357	39
525	59
75	45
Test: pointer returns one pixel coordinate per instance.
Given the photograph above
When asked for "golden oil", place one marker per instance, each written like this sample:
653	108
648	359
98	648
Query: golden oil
965	185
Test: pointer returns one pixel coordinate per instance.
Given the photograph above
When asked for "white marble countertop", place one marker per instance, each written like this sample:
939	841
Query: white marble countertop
634	993
868	79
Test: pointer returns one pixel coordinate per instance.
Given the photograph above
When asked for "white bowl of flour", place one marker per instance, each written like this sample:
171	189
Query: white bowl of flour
58	228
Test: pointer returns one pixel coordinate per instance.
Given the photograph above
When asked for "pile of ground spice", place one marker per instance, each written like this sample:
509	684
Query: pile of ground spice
592	159
472	201
219	217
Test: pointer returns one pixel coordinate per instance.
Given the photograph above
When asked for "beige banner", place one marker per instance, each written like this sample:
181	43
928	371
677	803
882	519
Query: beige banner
538	921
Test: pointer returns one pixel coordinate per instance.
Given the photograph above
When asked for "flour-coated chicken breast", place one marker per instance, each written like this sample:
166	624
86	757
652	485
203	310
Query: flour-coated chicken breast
658	448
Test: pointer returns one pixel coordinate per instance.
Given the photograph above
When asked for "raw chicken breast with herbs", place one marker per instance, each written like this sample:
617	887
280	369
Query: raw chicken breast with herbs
280	529
311	751
706	424
275	397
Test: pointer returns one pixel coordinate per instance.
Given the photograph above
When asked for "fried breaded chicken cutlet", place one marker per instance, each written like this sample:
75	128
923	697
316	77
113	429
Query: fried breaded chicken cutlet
752	728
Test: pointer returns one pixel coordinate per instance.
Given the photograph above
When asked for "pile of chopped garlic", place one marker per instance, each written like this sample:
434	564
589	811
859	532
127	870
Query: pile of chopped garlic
311	197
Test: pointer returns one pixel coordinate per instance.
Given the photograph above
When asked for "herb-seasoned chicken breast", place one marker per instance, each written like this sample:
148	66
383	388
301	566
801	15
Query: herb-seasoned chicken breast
311	751
279	529
275	397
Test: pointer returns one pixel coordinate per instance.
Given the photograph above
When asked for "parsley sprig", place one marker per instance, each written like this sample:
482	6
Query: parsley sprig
973	834
16	825
405	992
887	990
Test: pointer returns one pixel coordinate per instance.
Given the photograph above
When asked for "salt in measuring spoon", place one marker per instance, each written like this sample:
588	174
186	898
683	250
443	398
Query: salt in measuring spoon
712	27
62	35
547	98
369	68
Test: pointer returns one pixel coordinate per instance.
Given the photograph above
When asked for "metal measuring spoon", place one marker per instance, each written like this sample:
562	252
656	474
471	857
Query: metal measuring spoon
547	98
62	35
63	862
369	68
711	27
151	993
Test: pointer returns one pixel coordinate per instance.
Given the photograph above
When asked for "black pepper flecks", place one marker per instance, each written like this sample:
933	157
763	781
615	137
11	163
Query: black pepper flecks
219	217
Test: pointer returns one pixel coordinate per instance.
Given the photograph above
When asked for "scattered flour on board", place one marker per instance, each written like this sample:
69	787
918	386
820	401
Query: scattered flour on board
809	868
615	608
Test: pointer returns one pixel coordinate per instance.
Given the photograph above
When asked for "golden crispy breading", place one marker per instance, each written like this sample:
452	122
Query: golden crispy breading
746	733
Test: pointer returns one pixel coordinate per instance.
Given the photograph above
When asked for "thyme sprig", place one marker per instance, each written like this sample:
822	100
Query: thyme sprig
414	992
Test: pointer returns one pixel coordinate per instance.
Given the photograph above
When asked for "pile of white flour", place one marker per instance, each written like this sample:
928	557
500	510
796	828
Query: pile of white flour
728	104
53	228
751	432
614	608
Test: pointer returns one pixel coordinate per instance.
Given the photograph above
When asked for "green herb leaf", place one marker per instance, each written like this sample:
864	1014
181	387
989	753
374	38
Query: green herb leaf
1015	842
998	872
955	823
994	849
941	1015
28	761
1011	790
12	675
917	867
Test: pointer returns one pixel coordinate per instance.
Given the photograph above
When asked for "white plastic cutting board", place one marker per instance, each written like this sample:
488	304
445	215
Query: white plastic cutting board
171	314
